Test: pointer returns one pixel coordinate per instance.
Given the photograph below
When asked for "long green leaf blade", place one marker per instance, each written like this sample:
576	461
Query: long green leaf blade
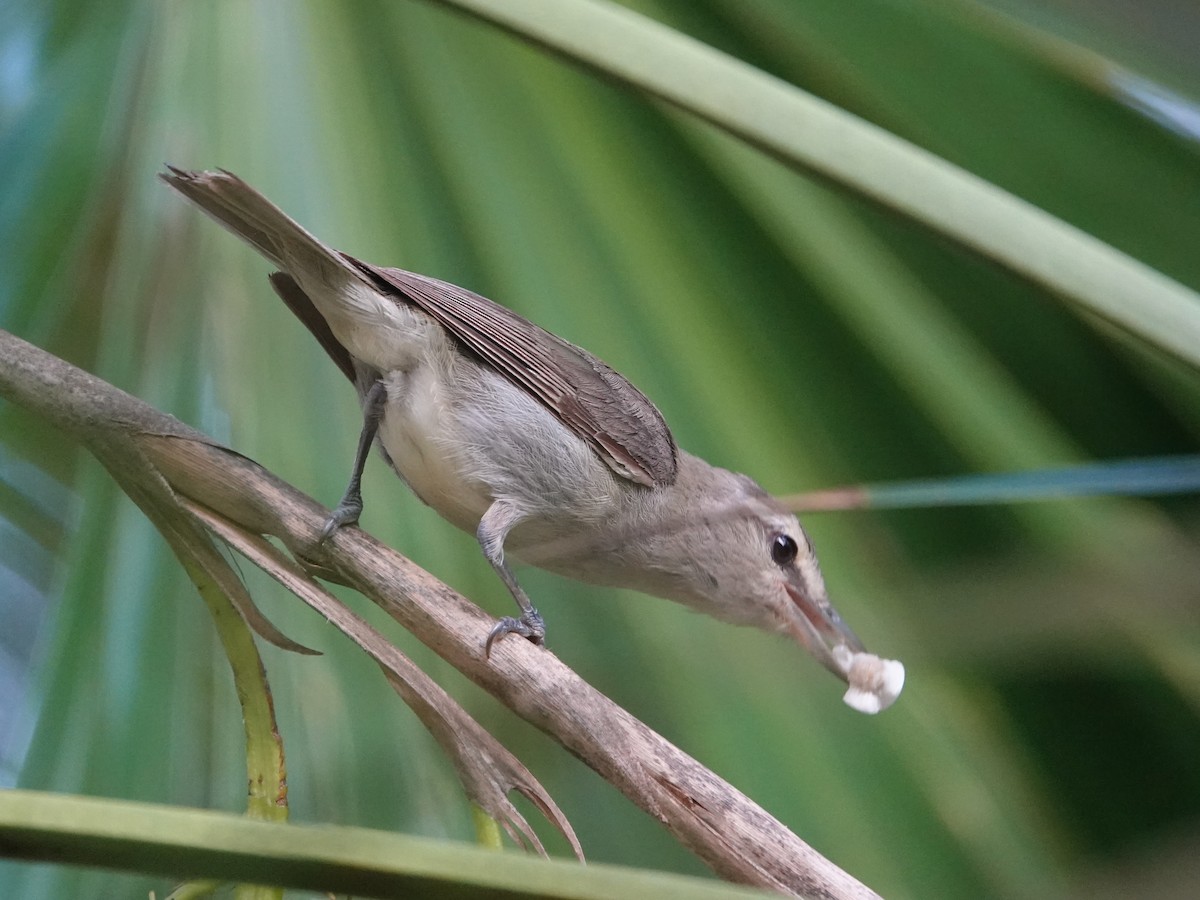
817	137
1155	477
196	843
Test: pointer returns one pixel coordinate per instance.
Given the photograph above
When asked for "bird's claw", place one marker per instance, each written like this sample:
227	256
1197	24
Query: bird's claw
346	513
530	626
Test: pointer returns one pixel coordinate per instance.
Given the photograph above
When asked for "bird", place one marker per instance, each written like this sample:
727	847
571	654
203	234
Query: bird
540	450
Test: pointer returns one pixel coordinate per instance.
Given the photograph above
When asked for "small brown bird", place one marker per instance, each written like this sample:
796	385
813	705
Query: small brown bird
540	449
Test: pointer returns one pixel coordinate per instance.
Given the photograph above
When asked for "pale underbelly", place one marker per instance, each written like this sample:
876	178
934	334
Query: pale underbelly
431	469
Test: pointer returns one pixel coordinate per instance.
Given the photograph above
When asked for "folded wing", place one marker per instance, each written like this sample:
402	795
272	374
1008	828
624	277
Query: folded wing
588	397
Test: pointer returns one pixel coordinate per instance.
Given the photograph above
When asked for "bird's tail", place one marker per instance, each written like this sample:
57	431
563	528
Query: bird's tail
259	222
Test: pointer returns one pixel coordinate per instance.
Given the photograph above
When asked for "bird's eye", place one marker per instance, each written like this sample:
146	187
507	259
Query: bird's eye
783	550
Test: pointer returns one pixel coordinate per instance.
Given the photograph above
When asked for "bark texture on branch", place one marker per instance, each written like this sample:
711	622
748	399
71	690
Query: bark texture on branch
732	834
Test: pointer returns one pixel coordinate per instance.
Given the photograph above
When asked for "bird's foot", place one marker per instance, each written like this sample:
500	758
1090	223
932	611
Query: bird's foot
346	513
530	625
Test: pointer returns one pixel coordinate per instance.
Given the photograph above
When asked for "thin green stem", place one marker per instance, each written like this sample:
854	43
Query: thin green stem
487	829
266	769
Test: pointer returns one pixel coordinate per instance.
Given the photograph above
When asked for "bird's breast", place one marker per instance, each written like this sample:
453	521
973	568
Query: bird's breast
463	436
418	431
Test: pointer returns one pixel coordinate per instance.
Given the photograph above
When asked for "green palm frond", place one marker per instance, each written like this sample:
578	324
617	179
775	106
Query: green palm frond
786	328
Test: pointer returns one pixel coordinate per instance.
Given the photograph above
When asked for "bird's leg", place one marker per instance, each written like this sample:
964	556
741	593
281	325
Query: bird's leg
350	507
493	527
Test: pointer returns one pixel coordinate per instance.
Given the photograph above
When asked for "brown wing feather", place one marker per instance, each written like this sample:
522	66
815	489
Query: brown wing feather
590	398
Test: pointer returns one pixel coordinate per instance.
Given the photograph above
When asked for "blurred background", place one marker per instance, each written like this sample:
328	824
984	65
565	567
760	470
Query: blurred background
1047	742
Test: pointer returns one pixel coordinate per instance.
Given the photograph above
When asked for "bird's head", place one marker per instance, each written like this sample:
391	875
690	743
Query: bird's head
742	557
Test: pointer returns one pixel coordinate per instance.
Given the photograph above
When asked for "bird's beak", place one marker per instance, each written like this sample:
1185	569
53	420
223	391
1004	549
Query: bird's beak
818	627
874	683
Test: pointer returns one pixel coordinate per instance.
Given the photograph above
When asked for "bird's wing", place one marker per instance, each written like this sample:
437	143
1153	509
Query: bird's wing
588	397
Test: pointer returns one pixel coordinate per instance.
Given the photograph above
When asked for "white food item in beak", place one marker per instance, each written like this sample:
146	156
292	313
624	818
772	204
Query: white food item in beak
874	683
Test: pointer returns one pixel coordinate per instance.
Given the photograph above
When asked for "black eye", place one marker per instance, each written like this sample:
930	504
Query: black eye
783	550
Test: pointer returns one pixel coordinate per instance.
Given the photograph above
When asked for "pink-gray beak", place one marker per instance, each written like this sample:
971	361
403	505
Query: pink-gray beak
819	628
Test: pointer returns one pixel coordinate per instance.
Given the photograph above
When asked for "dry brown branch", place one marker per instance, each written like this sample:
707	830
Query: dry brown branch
488	772
732	834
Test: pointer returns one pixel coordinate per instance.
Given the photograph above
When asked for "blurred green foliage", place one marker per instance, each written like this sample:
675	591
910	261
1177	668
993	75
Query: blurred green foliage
1046	742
